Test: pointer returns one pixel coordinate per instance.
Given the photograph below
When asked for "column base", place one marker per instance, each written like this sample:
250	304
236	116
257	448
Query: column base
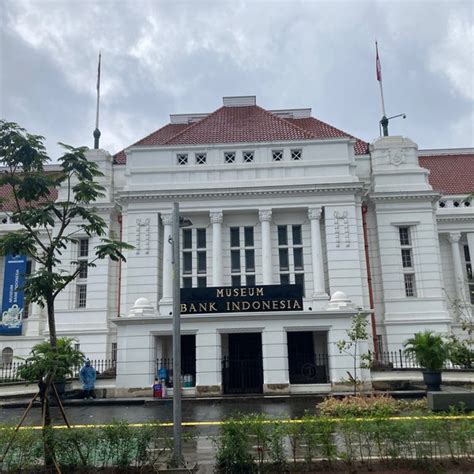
208	390
276	388
320	295
166	307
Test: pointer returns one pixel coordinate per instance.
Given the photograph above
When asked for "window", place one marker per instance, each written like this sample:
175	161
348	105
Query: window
296	155
277	155
113	352
409	284
407	260
182	158
242	256
194	258
229	157
290	254
7	355
248	156
81	282
77	346
470	278
200	158
81	296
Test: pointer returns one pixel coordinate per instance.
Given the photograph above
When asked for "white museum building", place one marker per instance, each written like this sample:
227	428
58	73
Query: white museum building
296	227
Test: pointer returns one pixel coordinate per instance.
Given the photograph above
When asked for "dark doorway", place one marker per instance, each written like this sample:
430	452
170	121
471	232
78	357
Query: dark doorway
305	365
242	369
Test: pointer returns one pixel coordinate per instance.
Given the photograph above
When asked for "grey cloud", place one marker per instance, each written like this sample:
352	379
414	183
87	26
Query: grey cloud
175	57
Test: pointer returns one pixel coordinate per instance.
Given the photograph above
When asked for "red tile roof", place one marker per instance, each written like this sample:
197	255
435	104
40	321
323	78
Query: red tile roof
450	173
7	202
159	137
240	125
323	130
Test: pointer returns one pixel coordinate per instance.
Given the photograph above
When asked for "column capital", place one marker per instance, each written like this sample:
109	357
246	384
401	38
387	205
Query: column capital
454	237
167	218
315	213
216	217
265	215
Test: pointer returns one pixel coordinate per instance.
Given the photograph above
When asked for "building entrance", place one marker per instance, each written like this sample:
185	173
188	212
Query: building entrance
307	357
242	368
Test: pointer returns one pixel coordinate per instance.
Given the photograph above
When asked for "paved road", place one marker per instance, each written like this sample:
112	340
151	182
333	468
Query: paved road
162	411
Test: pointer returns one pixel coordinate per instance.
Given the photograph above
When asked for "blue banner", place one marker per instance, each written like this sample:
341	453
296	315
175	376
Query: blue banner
13	295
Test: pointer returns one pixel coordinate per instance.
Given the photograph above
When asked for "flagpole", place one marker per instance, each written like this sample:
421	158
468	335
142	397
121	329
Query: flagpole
97	131
378	68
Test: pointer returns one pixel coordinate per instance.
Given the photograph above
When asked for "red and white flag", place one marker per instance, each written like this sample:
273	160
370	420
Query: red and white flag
378	68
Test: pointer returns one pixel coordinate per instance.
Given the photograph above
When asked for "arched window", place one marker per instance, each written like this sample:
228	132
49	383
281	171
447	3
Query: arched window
7	355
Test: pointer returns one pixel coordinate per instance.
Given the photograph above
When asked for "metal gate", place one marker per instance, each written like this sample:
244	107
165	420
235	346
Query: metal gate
242	375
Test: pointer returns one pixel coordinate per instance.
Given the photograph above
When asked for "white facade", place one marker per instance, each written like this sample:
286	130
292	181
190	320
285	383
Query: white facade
321	200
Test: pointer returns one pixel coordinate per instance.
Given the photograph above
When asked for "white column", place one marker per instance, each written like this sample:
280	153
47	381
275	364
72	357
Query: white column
454	238
265	216
167	259
470	244
319	289
275	361
216	220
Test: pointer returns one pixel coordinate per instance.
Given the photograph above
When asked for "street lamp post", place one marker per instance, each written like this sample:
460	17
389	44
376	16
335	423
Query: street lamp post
177	459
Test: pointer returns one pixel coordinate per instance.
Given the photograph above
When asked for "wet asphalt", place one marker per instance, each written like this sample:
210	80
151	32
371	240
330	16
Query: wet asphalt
162	411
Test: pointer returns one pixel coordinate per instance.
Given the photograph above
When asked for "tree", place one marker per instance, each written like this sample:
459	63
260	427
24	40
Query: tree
48	226
356	333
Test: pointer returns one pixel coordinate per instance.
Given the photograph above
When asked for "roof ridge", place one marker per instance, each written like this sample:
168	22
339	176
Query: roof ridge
193	125
309	135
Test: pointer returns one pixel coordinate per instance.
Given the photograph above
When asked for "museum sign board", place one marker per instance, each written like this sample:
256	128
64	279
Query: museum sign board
241	299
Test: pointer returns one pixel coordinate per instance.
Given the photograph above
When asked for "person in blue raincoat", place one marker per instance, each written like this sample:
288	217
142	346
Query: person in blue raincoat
88	375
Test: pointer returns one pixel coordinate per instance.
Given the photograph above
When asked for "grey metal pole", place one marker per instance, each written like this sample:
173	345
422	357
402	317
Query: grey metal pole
177	460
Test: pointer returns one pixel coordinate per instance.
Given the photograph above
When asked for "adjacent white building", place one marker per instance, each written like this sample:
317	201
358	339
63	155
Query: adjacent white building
275	198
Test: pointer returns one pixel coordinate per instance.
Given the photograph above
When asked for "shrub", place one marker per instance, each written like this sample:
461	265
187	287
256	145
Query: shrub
43	359
373	405
234	447
430	350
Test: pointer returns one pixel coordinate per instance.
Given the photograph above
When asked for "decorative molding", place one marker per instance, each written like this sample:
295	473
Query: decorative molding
167	219
454	237
265	215
216	217
142	236
397	157
350	188
341	228
406	196
314	213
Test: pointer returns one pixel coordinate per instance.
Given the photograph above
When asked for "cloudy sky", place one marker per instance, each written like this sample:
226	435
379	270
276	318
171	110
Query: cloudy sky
161	57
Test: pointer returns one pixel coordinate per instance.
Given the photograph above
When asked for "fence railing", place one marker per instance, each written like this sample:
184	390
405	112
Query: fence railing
106	368
399	360
164	369
308	368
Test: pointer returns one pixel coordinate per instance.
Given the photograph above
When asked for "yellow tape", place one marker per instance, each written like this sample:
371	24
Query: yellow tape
217	423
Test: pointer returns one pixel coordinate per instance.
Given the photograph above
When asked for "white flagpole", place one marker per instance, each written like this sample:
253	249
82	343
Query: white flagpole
96	133
378	69
98	95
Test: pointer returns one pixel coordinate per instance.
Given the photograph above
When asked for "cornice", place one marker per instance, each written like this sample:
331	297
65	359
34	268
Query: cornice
352	188
452	218
315	316
432	196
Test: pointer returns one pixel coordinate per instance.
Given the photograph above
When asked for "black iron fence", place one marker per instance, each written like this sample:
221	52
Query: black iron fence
399	360
242	375
308	368
106	368
164	370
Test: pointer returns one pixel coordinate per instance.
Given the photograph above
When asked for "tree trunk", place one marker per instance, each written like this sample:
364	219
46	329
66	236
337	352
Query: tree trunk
51	322
48	445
